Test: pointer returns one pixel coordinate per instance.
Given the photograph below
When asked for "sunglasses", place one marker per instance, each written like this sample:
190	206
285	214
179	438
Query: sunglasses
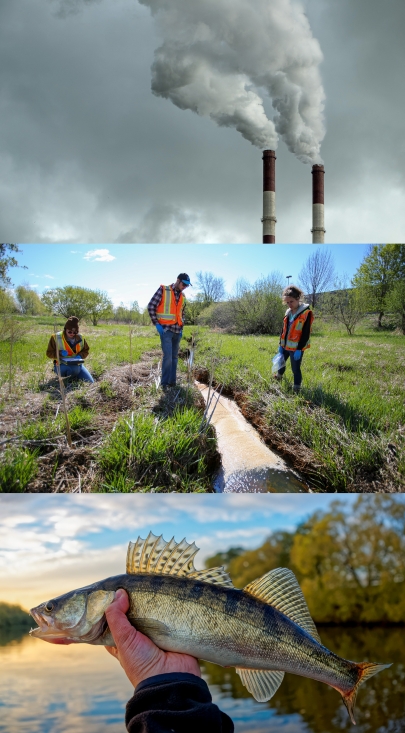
69	331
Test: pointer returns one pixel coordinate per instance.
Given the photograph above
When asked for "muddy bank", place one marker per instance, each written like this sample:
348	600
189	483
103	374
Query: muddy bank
248	465
296	455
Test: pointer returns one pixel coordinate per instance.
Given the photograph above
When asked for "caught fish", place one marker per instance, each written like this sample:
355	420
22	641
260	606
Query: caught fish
263	630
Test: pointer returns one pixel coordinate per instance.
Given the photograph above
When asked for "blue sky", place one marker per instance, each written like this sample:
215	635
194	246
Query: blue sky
51	544
130	272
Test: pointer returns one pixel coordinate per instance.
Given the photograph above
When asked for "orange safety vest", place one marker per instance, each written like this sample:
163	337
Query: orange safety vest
62	344
294	334
168	311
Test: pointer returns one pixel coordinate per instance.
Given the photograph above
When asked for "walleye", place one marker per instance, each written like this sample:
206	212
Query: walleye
263	630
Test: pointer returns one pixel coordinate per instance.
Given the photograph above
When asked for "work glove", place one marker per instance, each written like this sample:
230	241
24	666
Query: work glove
63	352
159	329
280	350
181	333
297	355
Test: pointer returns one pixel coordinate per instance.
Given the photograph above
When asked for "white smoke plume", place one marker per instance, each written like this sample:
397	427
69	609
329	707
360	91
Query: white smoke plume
220	57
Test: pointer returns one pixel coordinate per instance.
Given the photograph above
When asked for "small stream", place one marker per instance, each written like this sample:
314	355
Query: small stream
248	465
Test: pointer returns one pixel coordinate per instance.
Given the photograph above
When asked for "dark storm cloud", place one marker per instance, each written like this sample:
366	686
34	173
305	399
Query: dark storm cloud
88	153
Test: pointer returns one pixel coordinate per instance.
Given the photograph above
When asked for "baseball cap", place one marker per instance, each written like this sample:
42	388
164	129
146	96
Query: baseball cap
184	278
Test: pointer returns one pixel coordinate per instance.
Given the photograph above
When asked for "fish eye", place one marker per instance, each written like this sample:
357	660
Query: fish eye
49	606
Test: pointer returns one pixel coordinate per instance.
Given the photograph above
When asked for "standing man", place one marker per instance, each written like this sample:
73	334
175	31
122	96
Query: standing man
166	313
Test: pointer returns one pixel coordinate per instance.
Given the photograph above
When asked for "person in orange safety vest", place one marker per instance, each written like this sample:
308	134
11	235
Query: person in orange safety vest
296	332
69	348
166	308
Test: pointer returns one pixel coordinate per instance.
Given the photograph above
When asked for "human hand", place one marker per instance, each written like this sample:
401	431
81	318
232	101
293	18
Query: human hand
139	657
63	352
159	329
280	350
297	355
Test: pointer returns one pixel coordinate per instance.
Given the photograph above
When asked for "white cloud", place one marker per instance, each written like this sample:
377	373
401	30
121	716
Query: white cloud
50	277
99	255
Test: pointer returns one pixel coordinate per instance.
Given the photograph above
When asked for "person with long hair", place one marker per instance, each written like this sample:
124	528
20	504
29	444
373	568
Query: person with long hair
296	333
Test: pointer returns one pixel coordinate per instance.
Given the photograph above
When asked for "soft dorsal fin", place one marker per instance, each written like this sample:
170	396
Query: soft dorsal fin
280	589
155	555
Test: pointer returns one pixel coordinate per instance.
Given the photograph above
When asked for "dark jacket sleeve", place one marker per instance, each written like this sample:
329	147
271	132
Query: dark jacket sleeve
175	702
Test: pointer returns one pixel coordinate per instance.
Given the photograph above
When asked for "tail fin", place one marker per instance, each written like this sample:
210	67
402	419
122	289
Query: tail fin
366	670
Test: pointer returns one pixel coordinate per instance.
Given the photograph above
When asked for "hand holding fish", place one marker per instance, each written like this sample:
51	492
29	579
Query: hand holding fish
139	657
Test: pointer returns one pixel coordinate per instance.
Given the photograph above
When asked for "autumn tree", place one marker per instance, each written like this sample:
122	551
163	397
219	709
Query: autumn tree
245	566
352	563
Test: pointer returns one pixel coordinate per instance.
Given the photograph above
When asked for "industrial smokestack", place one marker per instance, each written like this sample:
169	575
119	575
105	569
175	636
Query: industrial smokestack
269	197
318	222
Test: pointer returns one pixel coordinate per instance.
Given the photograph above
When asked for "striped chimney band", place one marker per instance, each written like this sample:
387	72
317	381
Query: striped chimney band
318	223
269	197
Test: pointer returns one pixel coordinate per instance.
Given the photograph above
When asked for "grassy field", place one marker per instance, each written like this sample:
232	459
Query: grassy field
344	432
127	434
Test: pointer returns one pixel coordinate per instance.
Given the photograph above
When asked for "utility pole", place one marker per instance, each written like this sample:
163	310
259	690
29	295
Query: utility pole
288	279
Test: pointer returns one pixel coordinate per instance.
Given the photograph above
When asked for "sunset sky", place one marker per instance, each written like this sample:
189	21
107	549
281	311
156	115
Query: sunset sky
52	544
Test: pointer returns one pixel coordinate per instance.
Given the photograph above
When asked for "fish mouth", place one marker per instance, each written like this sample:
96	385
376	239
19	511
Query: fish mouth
45	629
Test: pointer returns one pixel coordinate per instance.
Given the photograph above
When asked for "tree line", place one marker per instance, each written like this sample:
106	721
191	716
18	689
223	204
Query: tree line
378	287
350	562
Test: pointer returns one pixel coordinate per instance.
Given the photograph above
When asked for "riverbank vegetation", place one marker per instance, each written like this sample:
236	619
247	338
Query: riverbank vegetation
13	616
349	561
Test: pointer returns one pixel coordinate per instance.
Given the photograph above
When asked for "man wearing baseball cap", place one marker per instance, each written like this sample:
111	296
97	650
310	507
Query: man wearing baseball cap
166	312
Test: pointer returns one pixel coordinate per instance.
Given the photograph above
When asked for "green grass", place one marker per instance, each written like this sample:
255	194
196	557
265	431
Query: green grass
350	415
352	402
17	468
163	454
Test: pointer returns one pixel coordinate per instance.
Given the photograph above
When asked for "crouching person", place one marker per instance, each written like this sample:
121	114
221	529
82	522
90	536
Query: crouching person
69	348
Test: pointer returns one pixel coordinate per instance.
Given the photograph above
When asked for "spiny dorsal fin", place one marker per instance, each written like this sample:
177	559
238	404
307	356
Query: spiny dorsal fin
155	555
280	589
216	576
261	684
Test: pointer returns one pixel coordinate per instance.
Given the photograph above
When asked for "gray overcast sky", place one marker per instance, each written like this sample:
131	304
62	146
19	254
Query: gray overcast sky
89	154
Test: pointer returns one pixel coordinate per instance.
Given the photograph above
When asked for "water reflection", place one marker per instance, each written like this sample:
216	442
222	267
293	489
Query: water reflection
54	689
261	481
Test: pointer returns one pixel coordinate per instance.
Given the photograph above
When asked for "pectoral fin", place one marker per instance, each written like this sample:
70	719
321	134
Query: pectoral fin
150	627
262	684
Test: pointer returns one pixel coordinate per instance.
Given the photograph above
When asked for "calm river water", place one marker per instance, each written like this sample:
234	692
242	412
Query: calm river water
77	689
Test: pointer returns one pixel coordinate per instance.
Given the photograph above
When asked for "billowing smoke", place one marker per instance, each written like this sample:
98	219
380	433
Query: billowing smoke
220	57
